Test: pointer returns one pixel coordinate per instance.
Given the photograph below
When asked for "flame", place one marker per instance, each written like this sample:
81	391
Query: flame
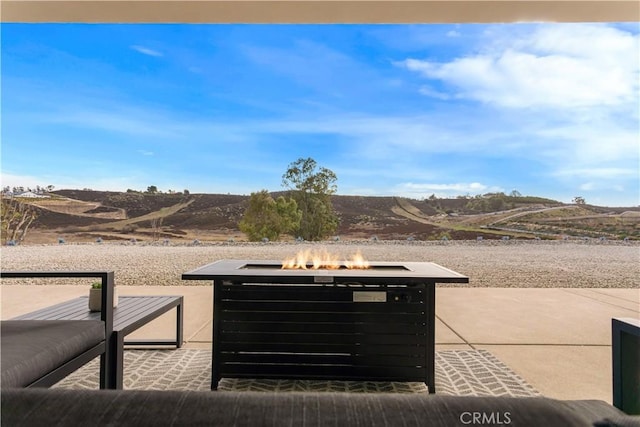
307	259
357	261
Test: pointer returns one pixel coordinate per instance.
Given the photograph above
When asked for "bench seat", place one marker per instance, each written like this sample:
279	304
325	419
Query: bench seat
31	349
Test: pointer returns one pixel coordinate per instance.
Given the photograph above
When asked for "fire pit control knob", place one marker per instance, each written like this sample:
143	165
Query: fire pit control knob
401	297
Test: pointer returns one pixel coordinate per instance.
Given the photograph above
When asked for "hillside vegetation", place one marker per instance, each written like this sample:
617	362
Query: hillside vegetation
88	215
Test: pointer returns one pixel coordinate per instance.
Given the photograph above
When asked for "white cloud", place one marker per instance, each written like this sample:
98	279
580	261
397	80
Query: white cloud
566	95
552	66
146	51
602	187
145	152
444	190
473	186
600	173
593	141
433	93
387	136
71	182
13	180
119	118
587	186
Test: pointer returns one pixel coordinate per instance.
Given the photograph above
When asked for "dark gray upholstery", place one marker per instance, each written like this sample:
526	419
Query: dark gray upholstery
34	407
32	348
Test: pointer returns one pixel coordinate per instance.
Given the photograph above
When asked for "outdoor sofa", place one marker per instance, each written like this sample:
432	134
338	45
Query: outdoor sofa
39	353
57	407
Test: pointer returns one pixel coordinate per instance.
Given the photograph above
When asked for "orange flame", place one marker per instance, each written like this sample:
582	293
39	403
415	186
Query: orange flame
357	261
316	260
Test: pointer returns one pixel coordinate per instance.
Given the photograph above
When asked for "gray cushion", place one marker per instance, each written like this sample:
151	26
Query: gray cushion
136	407
591	410
619	421
31	349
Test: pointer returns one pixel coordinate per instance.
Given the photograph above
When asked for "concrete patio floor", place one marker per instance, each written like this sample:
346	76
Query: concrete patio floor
558	340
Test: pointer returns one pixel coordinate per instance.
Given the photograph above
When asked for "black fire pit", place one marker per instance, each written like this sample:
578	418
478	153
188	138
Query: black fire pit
374	324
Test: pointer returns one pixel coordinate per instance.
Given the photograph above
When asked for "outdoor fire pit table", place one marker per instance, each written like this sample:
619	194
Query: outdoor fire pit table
373	324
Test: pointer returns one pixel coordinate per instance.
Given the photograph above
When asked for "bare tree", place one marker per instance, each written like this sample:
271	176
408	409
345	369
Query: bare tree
16	218
156	226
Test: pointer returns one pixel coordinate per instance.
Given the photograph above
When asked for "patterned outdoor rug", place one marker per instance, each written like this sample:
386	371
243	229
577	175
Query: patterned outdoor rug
458	372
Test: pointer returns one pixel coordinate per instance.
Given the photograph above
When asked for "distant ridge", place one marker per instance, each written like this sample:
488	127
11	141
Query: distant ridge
139	215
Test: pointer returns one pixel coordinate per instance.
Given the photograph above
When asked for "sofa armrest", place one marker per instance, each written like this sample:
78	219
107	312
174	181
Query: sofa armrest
106	277
626	364
106	314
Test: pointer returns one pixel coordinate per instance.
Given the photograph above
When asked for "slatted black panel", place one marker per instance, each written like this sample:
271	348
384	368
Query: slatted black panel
321	332
325	347
334	372
341	317
323	359
314	326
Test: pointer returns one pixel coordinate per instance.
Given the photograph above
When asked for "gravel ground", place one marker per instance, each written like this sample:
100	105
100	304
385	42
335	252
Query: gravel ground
513	264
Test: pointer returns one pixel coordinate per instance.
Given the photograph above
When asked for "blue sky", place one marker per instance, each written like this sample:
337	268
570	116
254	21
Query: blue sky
411	110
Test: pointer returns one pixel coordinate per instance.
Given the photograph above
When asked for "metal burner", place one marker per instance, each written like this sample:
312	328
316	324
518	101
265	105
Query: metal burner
311	267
